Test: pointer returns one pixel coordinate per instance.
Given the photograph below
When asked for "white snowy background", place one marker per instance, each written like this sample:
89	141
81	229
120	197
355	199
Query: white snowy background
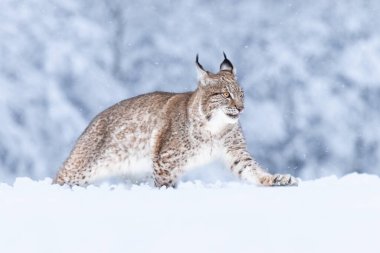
311	72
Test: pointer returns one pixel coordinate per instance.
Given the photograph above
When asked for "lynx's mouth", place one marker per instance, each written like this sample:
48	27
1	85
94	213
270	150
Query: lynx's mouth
233	115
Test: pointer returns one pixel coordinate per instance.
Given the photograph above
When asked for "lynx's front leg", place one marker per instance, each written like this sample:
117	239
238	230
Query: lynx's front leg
243	165
165	171
166	162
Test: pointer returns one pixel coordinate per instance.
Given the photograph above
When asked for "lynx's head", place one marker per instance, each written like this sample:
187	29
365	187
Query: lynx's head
221	95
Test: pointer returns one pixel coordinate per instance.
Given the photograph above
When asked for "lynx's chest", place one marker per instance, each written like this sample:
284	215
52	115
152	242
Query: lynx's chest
218	122
203	154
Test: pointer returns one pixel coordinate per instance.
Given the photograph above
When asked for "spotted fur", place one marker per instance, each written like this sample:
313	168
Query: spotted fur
162	135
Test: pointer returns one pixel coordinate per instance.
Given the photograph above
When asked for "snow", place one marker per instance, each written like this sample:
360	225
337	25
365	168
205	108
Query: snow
311	75
324	215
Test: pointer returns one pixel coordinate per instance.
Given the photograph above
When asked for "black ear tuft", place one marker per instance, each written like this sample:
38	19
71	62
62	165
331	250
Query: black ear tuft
226	64
198	64
201	72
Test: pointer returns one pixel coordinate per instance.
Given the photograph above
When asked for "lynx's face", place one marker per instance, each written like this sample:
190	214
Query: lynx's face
222	96
225	95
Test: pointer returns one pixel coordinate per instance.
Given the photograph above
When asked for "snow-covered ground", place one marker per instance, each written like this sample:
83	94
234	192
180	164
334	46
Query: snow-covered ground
324	215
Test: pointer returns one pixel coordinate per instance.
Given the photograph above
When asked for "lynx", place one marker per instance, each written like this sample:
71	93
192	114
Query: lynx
162	135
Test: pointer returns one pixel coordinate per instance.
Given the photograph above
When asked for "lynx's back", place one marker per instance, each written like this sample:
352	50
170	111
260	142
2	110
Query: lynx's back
119	140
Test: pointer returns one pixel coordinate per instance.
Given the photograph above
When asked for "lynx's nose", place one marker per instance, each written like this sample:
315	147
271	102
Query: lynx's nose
240	108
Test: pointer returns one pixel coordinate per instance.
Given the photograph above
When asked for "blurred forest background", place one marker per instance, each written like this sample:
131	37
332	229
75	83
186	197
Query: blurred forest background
310	69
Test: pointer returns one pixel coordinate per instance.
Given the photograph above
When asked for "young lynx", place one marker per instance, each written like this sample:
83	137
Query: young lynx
164	134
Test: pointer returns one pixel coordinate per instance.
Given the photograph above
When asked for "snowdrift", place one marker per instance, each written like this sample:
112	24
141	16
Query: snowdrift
325	215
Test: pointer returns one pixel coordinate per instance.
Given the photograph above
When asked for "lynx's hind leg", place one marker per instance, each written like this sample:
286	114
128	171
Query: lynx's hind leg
71	178
79	167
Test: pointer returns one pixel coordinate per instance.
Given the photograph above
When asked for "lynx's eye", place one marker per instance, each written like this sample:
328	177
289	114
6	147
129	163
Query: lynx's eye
225	94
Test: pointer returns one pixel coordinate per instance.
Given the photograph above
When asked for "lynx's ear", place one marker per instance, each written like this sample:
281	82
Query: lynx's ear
201	72
227	65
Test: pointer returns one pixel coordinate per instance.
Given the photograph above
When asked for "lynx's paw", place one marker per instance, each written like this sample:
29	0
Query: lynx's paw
279	180
284	180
